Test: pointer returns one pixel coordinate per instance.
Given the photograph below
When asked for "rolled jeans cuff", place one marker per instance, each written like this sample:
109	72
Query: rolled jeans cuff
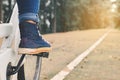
29	16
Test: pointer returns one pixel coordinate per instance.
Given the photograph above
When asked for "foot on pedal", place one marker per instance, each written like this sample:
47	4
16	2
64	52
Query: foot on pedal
31	40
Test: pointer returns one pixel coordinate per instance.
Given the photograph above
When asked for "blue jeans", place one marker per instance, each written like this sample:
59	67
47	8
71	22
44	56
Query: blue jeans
28	10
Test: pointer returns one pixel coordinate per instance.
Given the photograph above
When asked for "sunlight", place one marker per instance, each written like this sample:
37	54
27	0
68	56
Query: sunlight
112	0
114	6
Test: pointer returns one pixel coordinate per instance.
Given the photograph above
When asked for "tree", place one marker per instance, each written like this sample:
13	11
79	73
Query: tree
66	15
1	11
86	14
117	14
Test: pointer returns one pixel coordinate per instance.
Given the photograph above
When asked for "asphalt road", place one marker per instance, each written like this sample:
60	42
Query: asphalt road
101	64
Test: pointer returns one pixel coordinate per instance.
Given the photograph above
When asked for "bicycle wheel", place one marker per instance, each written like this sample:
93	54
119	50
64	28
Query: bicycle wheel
31	68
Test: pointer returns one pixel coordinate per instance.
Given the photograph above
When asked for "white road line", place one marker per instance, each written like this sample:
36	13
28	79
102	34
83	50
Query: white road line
62	74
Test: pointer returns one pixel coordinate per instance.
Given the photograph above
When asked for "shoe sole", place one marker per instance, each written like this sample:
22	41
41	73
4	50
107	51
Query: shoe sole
33	51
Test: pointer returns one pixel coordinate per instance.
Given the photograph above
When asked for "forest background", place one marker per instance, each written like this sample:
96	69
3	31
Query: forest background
68	15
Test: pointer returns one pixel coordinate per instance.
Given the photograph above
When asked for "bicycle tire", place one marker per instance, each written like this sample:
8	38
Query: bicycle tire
31	68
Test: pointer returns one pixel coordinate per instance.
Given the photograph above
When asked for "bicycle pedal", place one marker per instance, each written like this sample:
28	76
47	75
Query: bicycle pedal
43	54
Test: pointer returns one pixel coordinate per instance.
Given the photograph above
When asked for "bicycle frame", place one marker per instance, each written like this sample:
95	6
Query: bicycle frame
8	51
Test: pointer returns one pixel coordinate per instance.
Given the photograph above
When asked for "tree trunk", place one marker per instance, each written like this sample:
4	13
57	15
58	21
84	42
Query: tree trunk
1	18
54	26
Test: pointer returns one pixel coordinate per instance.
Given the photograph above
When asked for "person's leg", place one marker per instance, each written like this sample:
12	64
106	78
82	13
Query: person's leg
28	10
31	41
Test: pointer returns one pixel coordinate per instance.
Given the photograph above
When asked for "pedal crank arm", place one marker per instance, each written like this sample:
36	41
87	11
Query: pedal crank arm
11	70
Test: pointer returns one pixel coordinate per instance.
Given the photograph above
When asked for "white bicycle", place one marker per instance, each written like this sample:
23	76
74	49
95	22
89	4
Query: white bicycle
11	63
